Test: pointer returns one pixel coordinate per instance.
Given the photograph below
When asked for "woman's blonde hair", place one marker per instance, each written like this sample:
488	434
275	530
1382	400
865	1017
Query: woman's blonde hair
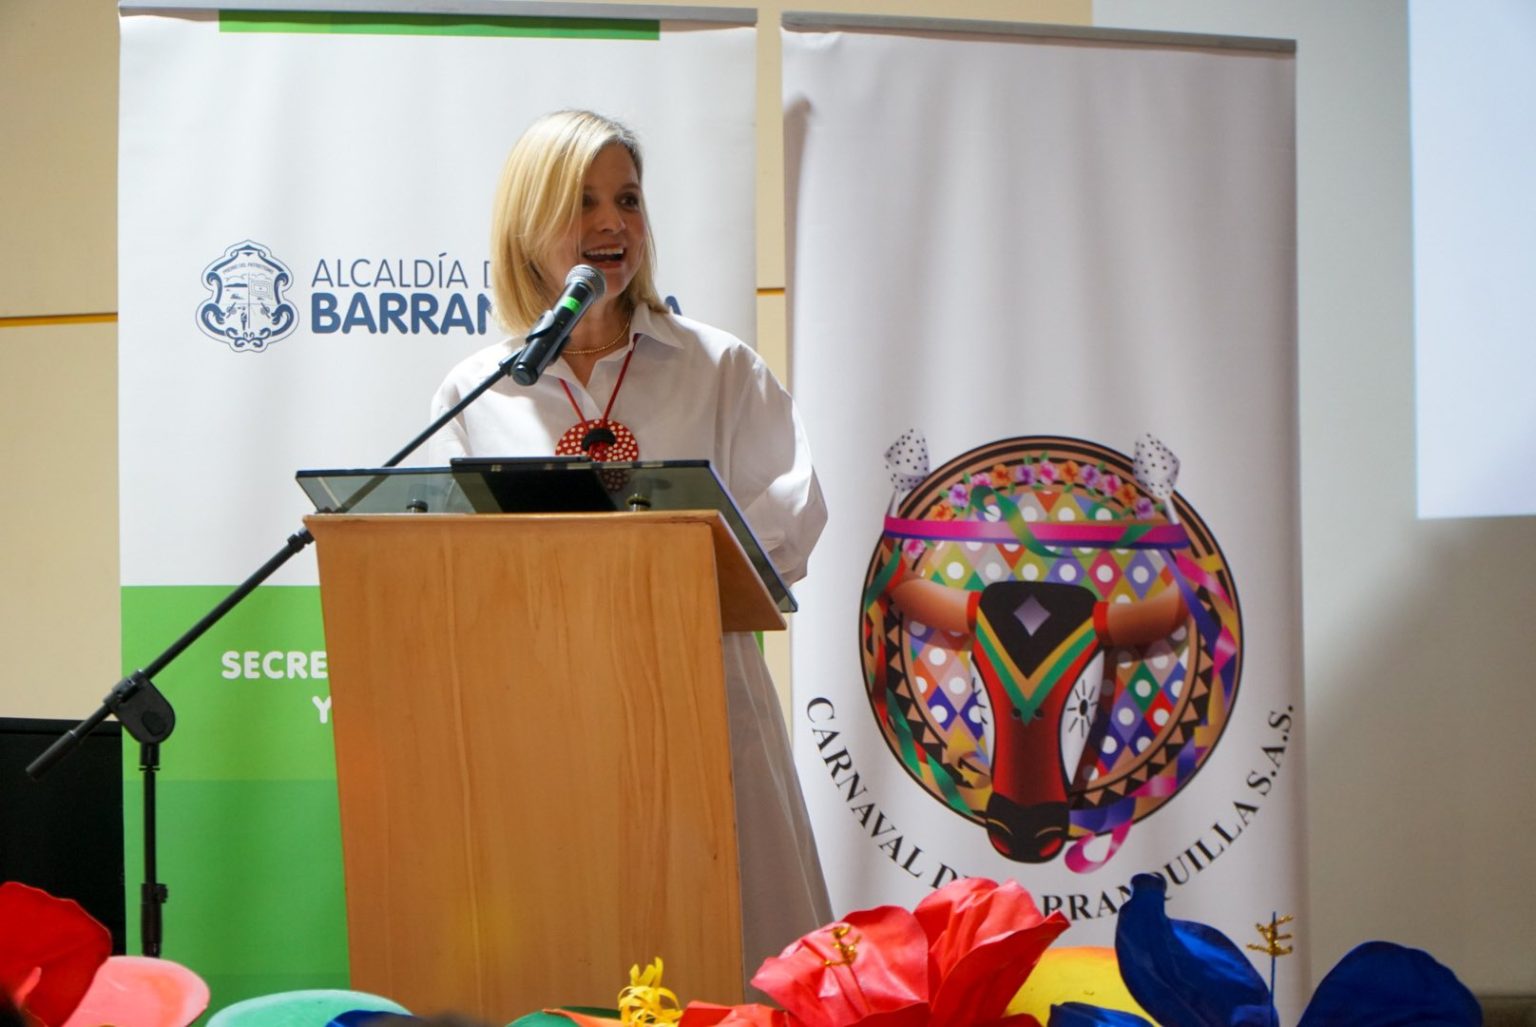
538	200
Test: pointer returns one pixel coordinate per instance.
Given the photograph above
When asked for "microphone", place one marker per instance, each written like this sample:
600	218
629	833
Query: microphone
583	287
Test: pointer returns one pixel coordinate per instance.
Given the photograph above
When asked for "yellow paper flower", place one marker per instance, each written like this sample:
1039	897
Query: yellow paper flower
1087	974
645	1003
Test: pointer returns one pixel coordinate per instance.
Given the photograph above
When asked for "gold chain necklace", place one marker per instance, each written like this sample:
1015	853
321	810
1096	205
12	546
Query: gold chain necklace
623	331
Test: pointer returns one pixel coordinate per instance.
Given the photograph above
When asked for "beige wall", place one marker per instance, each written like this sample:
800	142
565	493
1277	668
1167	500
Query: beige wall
58	382
1422	807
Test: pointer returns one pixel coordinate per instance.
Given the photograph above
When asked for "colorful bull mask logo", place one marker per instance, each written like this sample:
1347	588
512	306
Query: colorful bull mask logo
1051	639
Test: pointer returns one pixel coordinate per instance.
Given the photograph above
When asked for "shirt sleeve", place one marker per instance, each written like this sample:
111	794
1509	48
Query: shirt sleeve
771	476
451	439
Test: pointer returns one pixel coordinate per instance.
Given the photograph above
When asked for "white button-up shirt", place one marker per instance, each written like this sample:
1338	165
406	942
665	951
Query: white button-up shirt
691	392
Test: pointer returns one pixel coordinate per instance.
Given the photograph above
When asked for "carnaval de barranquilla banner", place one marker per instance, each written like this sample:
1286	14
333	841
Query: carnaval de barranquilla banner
304	212
1043	324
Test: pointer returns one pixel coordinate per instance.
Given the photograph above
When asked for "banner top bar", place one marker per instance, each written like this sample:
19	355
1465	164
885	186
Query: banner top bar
821	20
497	8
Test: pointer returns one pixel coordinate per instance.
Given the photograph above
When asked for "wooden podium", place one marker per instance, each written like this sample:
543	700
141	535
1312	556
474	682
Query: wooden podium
532	753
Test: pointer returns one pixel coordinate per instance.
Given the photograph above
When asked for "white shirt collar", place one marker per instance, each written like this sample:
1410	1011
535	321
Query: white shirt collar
653	325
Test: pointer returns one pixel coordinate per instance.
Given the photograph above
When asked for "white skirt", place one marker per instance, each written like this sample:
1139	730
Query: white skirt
783	894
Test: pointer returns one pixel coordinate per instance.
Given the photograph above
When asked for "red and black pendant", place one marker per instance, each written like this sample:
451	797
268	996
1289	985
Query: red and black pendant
604	440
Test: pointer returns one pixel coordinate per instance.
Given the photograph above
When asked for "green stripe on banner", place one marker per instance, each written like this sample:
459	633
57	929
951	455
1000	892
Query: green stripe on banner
365	24
251	696
249	840
256	901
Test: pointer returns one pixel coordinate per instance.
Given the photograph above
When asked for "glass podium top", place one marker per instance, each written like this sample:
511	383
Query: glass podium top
541	485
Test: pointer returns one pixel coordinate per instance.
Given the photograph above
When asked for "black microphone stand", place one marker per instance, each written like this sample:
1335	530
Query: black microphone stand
148	716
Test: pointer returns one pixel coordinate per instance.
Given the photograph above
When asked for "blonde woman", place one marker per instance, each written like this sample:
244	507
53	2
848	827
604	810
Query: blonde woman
637	381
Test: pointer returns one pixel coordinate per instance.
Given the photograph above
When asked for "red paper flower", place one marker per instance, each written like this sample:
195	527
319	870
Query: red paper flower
984	939
956	961
50	950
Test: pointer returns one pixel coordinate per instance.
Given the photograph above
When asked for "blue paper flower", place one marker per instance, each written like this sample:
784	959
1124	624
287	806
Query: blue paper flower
1188	974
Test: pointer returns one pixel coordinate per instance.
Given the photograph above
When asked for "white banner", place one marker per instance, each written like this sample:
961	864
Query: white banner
1020	654
304	218
363	165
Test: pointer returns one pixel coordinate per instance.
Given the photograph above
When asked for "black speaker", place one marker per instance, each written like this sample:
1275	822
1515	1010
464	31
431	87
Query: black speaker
64	834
